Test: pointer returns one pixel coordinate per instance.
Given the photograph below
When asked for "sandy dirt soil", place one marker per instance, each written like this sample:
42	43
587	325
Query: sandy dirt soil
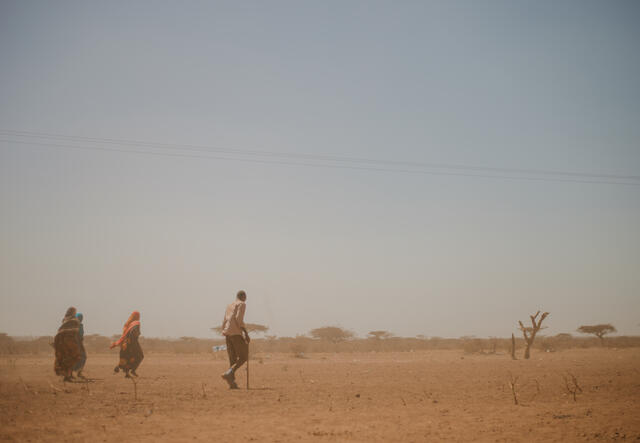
413	396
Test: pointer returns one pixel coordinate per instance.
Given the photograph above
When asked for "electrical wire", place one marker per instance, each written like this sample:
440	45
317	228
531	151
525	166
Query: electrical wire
174	153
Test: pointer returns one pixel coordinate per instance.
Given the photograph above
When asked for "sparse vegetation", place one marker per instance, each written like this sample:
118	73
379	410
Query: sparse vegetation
379	335
571	385
250	327
471	396
513	385
598	330
190	345
7	345
333	334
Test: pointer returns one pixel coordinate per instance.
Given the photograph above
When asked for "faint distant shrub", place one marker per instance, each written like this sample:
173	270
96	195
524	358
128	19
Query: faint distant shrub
493	345
379	335
250	327
298	348
333	334
472	345
96	343
7	345
546	344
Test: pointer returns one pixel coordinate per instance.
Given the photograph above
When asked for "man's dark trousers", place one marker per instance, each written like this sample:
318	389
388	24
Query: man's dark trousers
238	351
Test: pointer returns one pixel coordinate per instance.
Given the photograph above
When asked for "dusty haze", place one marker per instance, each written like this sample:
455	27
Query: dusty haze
110	228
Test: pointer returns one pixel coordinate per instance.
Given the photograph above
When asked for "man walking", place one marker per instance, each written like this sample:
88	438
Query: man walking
236	336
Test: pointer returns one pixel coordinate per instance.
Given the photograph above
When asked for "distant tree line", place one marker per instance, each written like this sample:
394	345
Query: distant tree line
337	339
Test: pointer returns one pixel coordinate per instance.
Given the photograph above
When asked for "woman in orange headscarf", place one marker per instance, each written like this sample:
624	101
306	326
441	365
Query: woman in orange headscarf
130	351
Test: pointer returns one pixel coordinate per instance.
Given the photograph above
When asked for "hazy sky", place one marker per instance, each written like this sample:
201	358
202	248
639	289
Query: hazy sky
548	85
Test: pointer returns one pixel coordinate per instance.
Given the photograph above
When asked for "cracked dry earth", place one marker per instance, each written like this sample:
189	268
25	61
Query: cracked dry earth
366	397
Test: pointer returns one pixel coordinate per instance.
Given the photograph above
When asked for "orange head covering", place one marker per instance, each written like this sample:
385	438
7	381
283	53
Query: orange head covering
132	321
135	316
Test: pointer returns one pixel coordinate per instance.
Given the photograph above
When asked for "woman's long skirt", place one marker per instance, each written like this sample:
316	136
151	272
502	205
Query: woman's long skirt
67	350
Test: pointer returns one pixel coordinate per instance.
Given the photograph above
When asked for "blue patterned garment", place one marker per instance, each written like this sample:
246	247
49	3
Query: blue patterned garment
81	329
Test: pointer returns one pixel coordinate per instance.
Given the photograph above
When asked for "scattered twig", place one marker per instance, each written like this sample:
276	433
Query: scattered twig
135	388
403	402
86	386
55	389
26	388
204	393
512	384
537	390
572	385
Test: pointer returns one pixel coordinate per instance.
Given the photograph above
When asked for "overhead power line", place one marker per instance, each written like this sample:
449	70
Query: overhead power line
305	156
308	160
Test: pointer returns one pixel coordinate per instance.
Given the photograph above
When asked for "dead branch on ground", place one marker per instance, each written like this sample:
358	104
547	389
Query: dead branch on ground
55	389
572	385
512	384
135	388
26	388
86	386
537	390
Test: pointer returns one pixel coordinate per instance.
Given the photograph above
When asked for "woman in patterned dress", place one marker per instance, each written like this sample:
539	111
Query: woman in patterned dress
67	345
130	351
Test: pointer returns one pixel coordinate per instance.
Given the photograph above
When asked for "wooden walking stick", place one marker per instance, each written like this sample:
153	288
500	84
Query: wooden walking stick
247	366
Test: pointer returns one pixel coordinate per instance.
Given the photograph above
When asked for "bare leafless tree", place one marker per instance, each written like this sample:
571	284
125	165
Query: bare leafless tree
530	332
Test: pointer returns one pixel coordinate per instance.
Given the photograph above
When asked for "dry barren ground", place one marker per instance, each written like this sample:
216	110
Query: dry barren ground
412	396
